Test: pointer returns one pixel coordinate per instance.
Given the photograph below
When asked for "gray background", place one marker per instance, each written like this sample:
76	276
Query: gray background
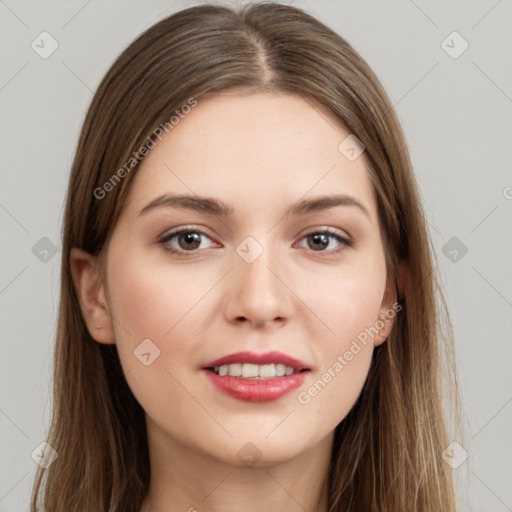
456	113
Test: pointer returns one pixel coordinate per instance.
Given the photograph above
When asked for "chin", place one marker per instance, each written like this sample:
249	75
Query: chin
254	450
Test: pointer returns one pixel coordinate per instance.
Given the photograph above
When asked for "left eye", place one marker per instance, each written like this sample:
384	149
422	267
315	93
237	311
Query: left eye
319	241
188	240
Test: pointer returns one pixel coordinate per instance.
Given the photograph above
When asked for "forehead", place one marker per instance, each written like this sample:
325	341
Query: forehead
248	149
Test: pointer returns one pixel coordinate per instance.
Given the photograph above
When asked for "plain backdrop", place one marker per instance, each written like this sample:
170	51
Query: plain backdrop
455	104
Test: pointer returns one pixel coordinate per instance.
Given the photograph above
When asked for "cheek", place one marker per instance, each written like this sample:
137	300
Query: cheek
349	305
344	357
353	309
346	301
163	304
159	304
151	301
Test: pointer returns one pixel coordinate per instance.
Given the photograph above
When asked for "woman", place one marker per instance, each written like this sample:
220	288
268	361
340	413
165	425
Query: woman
248	315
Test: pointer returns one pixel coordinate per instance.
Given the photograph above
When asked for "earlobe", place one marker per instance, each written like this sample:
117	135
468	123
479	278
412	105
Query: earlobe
383	326
90	292
390	307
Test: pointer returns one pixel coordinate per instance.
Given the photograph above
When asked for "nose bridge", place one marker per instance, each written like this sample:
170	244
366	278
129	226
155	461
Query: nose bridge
256	293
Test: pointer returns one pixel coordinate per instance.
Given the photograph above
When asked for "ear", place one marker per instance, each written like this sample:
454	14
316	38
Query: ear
90	292
390	308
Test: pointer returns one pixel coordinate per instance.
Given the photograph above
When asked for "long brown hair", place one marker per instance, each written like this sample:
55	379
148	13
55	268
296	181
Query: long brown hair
387	451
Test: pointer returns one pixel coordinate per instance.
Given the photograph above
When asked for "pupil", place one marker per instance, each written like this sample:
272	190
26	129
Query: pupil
190	238
321	239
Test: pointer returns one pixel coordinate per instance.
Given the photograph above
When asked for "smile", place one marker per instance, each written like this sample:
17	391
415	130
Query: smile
254	371
255	377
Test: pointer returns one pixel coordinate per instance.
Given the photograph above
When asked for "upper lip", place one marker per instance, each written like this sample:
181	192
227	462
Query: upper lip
255	358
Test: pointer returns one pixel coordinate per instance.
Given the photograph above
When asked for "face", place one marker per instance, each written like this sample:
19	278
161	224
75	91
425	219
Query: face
274	264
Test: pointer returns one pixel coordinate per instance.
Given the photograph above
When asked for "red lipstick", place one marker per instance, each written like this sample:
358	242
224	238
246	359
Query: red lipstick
256	388
254	358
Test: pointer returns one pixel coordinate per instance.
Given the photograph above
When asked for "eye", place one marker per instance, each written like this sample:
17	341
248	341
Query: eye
319	241
186	240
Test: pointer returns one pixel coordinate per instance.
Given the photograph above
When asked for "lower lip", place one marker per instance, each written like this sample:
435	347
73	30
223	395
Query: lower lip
256	390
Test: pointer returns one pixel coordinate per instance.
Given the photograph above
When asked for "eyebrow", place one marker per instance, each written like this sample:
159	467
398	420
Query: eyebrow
215	207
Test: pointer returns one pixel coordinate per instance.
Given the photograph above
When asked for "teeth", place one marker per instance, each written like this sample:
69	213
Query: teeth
250	370
267	370
235	370
280	370
254	371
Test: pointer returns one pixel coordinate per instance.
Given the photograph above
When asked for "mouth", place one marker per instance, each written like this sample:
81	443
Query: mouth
253	377
255	371
251	365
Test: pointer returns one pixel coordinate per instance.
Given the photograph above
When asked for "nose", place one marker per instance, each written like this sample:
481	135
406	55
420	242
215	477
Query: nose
256	293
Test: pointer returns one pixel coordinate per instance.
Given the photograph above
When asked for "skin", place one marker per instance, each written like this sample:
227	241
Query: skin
259	154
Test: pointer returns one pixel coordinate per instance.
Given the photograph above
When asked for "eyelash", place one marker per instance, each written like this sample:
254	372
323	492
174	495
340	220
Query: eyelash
345	241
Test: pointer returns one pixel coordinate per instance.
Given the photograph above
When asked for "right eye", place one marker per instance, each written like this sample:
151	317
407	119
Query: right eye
186	240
